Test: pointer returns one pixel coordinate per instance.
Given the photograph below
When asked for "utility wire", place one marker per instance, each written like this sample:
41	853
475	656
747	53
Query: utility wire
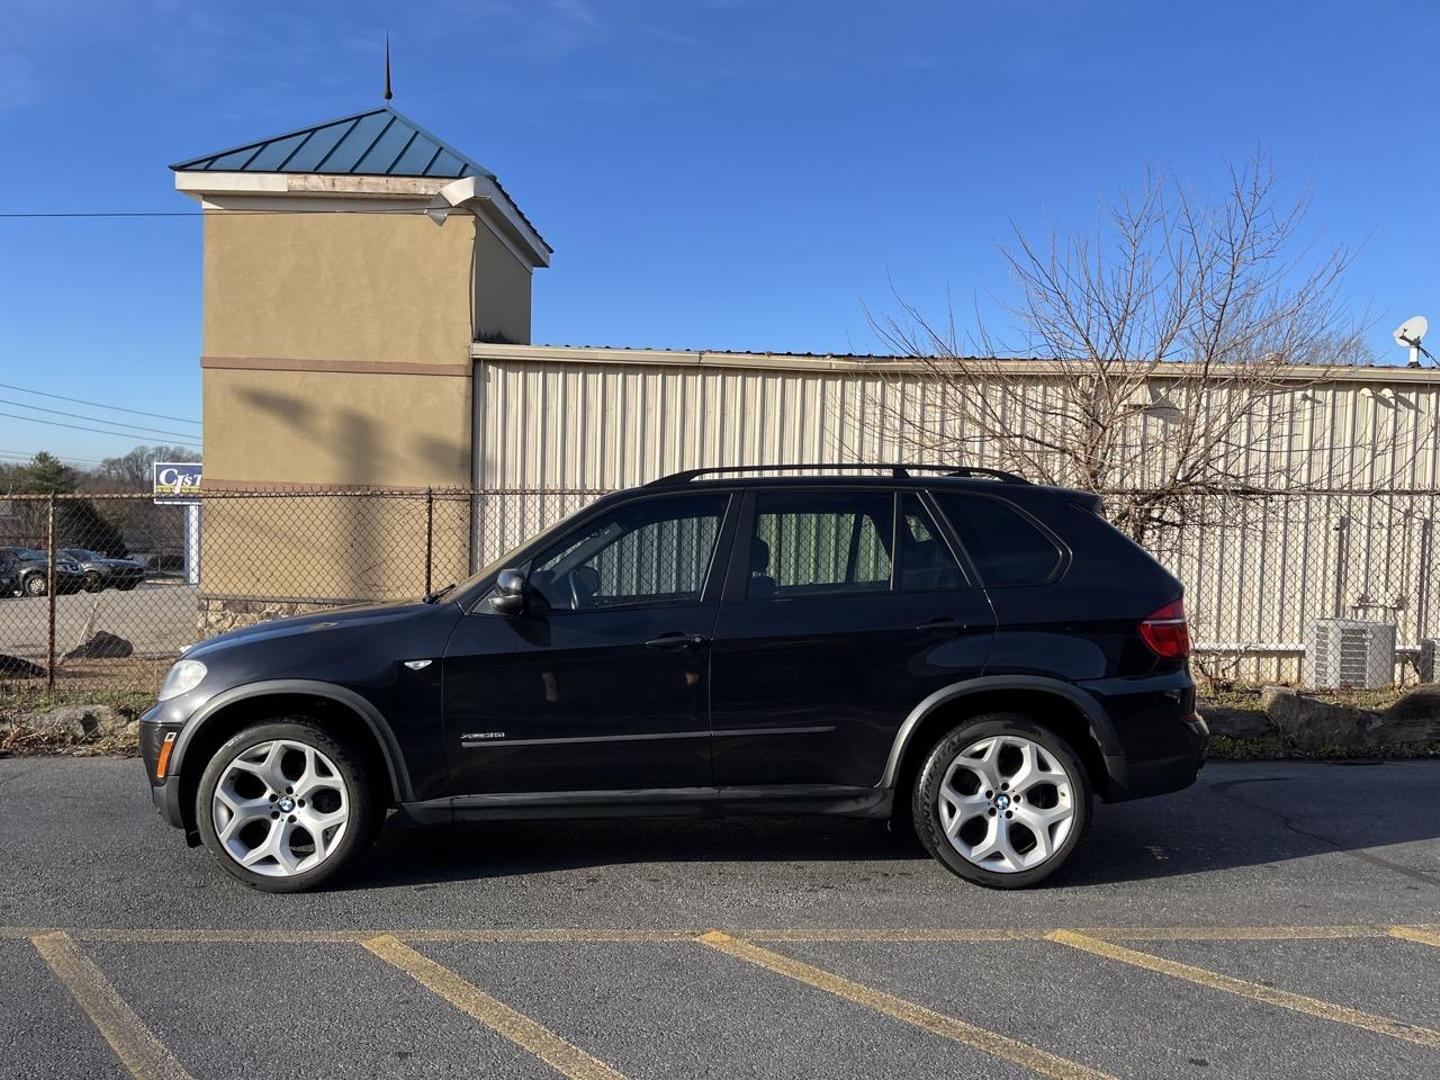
28	454
99	405
98	420
77	427
42	214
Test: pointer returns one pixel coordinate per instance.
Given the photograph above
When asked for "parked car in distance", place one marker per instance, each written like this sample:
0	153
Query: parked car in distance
966	652
101	570
25	572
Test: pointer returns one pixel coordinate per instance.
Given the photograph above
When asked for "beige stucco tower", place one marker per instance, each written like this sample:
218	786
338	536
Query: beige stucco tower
348	267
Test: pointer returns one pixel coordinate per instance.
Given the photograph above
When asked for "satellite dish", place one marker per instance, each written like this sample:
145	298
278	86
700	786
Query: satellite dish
1411	331
1409	335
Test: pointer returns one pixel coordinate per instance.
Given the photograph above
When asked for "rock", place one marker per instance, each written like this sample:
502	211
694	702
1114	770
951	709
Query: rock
101	645
1238	723
1312	724
78	722
12	667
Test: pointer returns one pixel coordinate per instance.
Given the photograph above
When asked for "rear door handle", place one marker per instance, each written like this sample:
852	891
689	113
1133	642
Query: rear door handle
676	641
942	625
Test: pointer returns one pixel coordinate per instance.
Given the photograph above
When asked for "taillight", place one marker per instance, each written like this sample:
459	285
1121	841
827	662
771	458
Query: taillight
1166	632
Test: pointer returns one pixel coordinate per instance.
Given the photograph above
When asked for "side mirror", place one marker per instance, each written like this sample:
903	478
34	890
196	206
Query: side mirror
509	598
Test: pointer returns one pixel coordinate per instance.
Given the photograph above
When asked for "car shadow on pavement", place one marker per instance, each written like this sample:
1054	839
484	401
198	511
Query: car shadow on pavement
409	854
1257	814
1265	814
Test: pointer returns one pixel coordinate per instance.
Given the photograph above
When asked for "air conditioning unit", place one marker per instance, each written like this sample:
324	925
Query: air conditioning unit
1350	652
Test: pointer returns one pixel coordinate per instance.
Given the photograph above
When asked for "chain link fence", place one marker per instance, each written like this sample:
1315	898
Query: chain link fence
109	588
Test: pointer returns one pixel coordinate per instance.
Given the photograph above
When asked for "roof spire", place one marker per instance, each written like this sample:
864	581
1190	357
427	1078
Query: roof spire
388	92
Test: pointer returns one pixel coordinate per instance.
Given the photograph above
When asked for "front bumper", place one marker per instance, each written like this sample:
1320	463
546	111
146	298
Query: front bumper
166	797
69	583
164	791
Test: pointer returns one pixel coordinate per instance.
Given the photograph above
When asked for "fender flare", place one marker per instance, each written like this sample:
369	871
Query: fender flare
1101	726
377	724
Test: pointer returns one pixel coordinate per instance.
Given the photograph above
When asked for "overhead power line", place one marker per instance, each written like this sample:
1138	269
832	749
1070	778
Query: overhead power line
23	455
99	420
77	427
98	405
42	214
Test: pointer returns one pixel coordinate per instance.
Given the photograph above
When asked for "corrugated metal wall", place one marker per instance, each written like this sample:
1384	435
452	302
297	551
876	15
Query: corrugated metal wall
1256	572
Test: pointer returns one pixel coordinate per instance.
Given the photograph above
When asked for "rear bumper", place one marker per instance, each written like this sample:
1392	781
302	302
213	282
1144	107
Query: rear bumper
1156	776
1157	740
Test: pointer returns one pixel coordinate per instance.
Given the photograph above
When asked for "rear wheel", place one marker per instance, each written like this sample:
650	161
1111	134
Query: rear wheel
1002	801
285	806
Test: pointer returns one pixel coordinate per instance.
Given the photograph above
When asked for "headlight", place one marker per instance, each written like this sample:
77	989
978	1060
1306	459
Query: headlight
183	677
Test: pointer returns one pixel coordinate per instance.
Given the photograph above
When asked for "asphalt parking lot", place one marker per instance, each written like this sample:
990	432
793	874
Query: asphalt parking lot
1275	920
157	618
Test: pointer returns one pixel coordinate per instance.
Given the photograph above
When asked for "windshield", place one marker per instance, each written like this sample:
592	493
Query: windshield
78	553
30	553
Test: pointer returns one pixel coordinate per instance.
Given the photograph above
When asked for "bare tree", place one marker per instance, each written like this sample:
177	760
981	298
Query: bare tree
1159	357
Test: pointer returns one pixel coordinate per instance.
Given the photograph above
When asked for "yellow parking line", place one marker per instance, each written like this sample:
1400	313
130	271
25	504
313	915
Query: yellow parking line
993	1043
1325	1010
1415	933
958	937
1231	933
565	1058
139	1051
564	935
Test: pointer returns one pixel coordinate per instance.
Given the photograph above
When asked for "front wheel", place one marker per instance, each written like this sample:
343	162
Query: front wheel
35	585
1002	801
285	806
93	581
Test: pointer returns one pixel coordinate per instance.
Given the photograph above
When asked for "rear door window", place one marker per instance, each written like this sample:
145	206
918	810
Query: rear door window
1006	547
820	544
926	561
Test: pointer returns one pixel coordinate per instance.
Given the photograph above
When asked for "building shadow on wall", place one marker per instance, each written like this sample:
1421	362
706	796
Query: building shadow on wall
336	545
1237	816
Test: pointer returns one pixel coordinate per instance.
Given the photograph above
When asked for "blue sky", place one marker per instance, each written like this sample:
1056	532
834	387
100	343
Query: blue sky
724	174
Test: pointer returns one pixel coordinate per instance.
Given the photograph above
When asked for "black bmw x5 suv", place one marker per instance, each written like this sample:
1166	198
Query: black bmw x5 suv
968	652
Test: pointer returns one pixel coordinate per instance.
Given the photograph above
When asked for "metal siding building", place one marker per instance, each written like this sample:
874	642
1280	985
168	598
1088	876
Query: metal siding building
556	419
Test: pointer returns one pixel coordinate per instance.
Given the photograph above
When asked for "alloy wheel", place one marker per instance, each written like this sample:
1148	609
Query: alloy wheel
280	808
1006	804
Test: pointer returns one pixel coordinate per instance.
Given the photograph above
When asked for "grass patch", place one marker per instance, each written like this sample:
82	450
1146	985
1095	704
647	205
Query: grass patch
1237	696
1278	748
19	738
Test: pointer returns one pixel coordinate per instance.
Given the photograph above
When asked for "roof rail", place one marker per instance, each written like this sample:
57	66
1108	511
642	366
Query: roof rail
895	469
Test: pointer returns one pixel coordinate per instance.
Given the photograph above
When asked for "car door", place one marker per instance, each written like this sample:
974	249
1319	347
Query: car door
601	683
843	609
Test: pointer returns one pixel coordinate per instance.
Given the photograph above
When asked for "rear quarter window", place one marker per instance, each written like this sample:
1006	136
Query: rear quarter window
1006	547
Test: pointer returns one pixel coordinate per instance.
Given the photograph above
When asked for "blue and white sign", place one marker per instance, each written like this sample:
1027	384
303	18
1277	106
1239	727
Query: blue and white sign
177	482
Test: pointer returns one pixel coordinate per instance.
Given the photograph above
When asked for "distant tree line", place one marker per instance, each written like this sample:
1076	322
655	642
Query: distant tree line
113	527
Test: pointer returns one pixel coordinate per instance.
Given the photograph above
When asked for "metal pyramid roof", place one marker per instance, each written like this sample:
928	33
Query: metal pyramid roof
381	142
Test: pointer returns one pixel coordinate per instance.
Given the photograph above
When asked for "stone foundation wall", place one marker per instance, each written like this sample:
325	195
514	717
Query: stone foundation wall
218	614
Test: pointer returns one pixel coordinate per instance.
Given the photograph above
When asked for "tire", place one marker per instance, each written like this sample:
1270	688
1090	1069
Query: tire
256	773
964	791
94	582
34	585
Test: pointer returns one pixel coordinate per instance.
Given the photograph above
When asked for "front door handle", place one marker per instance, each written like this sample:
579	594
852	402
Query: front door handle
942	625
676	641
